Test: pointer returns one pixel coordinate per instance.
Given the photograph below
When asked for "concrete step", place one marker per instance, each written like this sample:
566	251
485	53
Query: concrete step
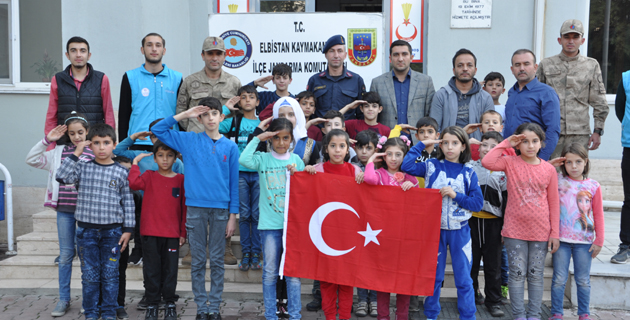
43	267
41	243
46	221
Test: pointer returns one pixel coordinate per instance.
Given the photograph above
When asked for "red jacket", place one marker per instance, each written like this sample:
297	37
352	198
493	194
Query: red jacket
163	204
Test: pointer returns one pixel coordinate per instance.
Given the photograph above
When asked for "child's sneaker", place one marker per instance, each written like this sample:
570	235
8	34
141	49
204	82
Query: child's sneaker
373	309
585	317
143	304
362	309
244	265
60	309
556	316
256	262
622	254
171	312
282	307
135	258
152	313
121	314
479	298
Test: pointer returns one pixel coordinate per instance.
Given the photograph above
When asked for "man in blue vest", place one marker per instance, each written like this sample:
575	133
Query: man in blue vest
622	109
147	93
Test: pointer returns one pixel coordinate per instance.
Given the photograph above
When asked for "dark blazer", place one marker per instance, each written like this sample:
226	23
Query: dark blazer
421	92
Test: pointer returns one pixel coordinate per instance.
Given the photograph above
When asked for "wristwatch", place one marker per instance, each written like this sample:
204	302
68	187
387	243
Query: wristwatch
599	131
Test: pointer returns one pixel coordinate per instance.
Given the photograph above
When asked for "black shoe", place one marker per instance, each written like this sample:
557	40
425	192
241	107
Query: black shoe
214	316
479	298
201	316
283	308
496	311
135	257
143	304
152	313
121	314
314	305
171	312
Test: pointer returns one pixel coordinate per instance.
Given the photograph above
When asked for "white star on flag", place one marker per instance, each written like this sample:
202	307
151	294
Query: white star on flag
370	235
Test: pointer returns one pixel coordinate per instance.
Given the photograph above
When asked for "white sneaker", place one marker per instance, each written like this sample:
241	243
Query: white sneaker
373	309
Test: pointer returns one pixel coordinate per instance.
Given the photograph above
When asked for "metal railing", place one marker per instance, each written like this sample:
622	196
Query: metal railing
9	214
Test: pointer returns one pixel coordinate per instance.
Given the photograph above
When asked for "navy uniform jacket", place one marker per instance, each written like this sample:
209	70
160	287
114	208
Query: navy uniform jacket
334	94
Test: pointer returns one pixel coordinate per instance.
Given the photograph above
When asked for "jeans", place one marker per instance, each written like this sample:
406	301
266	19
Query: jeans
249	192
459	245
99	253
198	220
272	251
526	260
624	230
505	269
366	295
66	230
582	272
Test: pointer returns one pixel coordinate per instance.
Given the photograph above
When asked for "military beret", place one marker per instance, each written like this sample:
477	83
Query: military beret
333	41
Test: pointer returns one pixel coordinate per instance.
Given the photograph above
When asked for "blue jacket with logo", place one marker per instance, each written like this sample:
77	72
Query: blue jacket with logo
152	97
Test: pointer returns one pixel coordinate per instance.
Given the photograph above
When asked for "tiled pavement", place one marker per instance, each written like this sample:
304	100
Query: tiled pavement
27	307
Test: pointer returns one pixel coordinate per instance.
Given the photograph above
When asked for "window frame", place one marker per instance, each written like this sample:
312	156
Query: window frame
15	85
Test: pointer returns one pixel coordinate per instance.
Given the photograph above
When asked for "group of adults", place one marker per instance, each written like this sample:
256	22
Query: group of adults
556	94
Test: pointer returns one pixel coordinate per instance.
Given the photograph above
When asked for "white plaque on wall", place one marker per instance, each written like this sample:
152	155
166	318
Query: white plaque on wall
471	13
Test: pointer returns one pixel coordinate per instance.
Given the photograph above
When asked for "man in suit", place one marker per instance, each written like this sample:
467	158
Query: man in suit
462	101
406	95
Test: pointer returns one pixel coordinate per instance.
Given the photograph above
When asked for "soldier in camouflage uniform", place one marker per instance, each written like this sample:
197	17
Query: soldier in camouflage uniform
211	81
578	81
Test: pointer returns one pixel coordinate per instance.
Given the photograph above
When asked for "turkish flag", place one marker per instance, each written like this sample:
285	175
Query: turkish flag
374	237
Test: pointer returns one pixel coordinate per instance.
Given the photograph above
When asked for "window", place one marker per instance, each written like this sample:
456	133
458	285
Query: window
282	6
5	44
618	46
39	52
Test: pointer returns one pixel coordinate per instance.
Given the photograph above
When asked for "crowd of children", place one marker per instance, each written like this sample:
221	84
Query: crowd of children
499	199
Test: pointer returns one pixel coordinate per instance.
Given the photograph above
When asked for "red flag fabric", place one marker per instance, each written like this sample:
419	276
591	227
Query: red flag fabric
374	237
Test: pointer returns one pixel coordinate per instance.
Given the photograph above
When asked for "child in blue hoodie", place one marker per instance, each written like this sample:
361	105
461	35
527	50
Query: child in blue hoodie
212	197
459	187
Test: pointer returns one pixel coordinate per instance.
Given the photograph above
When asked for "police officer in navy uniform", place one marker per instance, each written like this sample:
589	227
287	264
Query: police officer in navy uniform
337	86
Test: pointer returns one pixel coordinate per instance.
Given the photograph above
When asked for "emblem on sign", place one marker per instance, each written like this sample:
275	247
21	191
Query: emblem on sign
362	46
404	30
238	49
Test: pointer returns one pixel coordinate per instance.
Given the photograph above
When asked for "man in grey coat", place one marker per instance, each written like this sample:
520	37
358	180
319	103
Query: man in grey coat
462	101
405	94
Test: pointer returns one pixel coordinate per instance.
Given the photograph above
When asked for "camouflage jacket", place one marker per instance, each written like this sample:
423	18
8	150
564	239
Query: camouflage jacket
197	86
578	82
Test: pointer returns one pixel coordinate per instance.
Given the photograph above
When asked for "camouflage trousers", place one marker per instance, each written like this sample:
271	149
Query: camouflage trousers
568	139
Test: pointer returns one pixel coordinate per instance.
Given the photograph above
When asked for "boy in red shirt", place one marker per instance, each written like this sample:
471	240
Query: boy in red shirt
371	108
162	226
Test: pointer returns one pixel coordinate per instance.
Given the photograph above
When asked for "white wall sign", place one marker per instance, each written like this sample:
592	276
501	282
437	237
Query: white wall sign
255	43
471	13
